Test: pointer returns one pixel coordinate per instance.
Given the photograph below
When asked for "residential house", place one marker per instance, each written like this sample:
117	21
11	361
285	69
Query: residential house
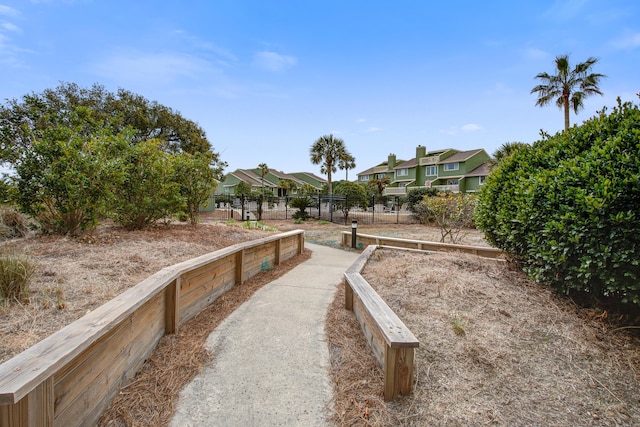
446	170
381	171
272	183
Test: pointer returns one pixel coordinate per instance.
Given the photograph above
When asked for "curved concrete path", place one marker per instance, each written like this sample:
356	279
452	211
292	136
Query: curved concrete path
271	359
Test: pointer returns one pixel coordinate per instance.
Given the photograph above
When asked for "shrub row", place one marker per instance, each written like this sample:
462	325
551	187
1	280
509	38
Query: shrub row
567	208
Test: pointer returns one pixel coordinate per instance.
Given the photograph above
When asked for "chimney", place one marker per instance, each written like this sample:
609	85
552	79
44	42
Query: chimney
391	161
421	152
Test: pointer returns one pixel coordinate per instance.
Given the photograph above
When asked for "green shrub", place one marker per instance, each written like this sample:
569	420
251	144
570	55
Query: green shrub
301	203
15	277
451	212
147	192
568	207
417	195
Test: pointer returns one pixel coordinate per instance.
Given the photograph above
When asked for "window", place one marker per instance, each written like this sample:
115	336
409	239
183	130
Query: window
402	185
403	172
452	182
380	176
481	179
364	178
452	166
432	171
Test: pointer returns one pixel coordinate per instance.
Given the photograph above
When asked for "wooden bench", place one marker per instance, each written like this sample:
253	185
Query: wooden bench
390	340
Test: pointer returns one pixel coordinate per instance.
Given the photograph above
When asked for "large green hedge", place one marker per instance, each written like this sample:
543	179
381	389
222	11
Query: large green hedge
567	208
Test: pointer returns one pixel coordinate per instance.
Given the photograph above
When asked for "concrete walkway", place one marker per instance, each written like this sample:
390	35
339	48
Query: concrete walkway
271	363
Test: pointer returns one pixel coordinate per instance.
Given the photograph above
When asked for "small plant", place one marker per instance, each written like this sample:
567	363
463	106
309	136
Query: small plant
323	222
15	277
458	326
258	225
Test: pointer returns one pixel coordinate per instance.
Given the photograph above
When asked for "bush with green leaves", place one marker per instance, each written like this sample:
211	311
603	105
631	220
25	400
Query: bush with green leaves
147	191
567	208
355	196
416	195
64	178
301	203
196	179
450	212
15	277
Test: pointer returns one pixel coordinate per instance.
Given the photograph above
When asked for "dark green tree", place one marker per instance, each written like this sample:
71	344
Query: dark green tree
24	121
327	151
197	180
569	86
355	195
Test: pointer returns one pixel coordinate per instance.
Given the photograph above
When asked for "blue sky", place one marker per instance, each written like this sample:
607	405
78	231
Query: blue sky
265	78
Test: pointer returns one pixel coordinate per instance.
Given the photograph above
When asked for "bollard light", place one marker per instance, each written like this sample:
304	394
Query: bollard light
354	229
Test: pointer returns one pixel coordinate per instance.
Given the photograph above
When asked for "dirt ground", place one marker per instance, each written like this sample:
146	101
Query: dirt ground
495	349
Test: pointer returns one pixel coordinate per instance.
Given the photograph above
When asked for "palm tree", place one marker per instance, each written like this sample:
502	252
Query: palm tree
346	162
504	151
569	87
264	169
327	152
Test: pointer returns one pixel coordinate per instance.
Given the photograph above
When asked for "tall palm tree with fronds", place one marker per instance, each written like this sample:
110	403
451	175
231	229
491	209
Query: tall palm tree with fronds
264	170
346	162
327	152
569	87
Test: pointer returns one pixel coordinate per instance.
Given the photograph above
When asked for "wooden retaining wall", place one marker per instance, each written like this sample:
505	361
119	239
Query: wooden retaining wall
363	240
70	378
391	341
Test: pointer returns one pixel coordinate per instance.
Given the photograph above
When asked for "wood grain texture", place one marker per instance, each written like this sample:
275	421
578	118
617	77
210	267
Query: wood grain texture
71	376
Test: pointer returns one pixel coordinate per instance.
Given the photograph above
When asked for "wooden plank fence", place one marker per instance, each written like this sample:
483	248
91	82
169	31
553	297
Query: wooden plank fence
363	240
390	340
70	378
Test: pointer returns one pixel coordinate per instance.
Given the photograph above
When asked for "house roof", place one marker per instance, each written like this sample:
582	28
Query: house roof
460	156
482	170
408	164
314	176
252	178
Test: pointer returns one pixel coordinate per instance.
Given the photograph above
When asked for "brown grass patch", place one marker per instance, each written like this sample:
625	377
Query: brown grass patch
494	349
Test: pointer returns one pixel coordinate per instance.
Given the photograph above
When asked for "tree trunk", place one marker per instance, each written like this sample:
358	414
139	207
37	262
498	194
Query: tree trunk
566	112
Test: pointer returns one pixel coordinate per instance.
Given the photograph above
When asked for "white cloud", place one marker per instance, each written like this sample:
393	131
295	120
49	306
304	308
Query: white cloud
471	127
535	53
151	68
464	128
361	120
629	40
272	61
8	26
8	11
373	129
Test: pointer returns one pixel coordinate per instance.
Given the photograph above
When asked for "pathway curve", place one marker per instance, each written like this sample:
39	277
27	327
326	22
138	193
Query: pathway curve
271	363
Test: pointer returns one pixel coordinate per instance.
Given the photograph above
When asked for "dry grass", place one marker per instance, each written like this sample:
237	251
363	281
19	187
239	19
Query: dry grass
495	349
151	397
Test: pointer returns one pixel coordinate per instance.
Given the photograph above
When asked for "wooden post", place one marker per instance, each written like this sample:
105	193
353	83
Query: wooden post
172	310
277	255
398	372
348	296
36	409
301	243
240	267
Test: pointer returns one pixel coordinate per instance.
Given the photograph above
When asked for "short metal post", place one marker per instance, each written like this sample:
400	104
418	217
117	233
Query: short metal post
354	229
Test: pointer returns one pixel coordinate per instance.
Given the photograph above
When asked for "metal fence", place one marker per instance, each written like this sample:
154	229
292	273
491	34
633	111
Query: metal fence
336	208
